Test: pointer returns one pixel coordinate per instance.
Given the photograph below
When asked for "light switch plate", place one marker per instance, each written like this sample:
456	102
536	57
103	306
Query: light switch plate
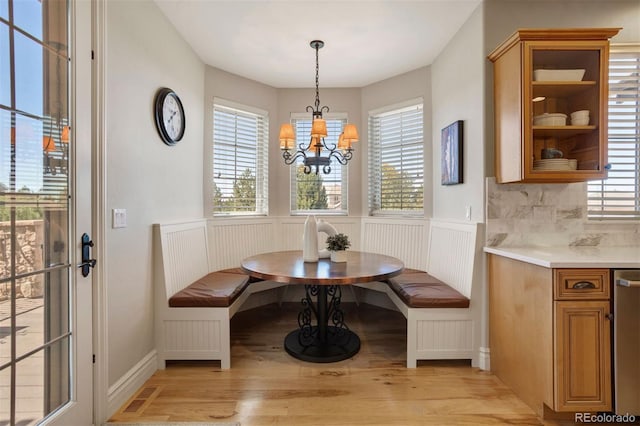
119	218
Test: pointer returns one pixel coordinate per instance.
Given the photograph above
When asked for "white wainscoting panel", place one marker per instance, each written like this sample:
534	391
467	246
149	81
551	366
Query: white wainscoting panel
185	256
231	240
406	239
290	231
444	335
453	250
192	335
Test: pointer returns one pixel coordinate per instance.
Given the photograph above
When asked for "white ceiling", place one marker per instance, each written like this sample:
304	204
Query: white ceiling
365	41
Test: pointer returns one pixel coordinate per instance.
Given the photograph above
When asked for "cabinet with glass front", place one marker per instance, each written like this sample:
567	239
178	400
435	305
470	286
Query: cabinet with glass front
550	98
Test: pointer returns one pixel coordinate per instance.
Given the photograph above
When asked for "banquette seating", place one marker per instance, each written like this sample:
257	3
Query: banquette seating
194	305
443	306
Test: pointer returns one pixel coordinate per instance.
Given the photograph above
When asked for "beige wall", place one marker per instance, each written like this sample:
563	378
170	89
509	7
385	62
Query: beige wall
458	90
153	181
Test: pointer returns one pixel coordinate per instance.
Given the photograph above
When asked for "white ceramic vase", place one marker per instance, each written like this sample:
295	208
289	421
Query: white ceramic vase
339	256
310	240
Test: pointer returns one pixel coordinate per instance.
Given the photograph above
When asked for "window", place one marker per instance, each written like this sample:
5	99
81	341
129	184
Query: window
318	193
240	169
396	159
618	196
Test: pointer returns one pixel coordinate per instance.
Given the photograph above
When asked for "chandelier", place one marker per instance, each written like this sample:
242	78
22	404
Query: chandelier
317	153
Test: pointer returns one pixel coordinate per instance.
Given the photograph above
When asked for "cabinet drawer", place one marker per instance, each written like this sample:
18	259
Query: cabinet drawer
571	284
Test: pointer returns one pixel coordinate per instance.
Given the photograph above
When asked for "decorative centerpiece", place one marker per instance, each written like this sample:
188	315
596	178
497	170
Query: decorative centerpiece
338	244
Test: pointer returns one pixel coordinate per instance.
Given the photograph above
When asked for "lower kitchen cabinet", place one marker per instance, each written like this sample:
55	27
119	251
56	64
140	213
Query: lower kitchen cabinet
550	334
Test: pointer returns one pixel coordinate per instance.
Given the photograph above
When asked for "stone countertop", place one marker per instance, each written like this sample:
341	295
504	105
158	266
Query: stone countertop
573	257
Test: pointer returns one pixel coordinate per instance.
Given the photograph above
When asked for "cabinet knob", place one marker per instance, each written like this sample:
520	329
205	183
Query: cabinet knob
607	166
609	317
583	284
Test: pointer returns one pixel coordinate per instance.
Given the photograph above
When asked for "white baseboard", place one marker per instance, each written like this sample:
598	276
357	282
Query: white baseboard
484	359
130	382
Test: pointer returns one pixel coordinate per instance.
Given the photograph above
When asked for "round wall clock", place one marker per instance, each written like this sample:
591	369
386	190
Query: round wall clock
170	119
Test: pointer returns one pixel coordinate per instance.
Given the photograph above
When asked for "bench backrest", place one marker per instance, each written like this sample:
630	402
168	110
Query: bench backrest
454	249
184	253
405	239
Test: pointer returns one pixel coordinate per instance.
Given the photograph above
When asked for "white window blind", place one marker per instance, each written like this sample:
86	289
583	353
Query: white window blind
618	196
396	160
240	153
321	193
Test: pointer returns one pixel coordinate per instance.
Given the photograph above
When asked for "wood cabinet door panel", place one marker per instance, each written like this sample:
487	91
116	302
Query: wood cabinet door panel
582	356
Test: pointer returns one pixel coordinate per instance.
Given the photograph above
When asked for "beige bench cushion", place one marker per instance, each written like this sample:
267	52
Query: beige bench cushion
418	289
217	289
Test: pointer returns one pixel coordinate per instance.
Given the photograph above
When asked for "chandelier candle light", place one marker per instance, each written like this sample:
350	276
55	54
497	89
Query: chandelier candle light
317	153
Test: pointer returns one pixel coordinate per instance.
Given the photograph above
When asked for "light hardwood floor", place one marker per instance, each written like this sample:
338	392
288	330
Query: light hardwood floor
265	386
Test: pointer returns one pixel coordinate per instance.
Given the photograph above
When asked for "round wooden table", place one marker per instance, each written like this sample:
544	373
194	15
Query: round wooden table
329	340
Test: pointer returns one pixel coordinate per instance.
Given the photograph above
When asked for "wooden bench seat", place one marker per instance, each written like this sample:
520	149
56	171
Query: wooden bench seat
418	289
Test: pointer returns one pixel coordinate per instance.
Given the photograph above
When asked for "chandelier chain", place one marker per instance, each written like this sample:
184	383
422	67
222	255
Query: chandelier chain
317	79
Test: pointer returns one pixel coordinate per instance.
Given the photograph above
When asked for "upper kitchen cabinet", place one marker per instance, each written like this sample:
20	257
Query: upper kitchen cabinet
550	97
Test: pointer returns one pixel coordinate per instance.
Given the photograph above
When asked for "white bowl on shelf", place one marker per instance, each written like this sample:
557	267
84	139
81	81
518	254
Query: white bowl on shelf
580	118
546	119
558	75
582	121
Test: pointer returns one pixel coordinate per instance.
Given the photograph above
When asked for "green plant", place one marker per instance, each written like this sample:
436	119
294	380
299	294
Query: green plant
338	242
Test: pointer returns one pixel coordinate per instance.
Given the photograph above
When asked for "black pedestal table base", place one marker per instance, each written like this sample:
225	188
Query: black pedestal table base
330	340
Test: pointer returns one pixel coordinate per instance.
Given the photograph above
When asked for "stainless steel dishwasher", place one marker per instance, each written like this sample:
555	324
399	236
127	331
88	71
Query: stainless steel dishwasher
626	341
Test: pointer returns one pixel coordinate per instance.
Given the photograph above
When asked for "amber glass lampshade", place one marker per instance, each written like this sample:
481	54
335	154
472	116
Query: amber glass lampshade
315	142
351	133
319	128
48	144
64	138
287	136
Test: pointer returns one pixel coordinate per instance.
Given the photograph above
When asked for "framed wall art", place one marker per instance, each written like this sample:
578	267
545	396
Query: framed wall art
451	149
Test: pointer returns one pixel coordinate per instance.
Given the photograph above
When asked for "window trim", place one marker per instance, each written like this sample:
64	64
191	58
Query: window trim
399	107
343	116
209	158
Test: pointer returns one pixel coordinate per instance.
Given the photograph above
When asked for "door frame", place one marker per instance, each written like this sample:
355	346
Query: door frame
101	405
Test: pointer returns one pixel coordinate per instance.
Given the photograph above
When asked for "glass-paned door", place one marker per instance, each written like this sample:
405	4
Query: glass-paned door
37	210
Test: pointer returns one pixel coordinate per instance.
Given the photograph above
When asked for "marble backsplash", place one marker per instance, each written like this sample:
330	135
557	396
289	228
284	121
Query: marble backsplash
549	215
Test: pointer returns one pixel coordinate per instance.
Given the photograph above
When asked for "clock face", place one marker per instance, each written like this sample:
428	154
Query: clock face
170	118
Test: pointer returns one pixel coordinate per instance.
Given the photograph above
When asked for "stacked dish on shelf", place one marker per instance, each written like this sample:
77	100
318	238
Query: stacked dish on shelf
554	119
555	164
558	75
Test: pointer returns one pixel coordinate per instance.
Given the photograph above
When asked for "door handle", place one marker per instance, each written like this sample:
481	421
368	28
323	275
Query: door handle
87	262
